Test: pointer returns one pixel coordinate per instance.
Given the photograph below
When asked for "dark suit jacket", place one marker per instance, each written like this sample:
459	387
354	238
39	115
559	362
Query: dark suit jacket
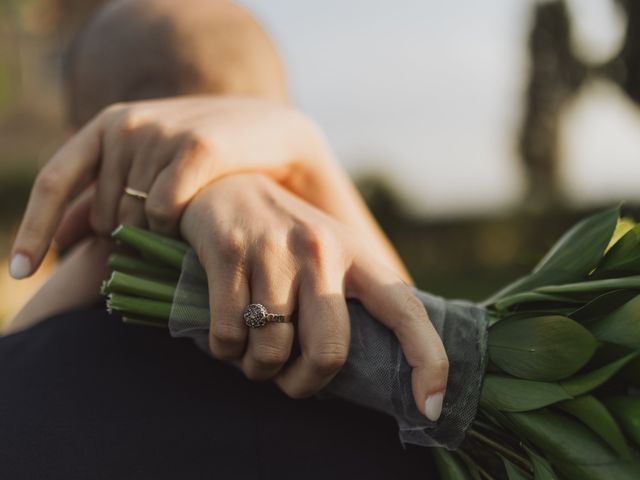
83	396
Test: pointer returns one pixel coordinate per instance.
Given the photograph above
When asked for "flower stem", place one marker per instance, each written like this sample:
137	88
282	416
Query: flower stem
163	239
140	287
144	322
138	266
135	306
507	452
151	245
472	463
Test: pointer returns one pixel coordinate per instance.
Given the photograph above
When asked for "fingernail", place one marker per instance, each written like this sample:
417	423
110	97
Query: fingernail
20	266
433	406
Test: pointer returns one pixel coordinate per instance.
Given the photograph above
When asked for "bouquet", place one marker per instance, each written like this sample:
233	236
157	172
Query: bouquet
545	375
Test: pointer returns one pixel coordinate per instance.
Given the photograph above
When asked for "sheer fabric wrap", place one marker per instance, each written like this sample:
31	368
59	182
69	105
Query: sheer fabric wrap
376	374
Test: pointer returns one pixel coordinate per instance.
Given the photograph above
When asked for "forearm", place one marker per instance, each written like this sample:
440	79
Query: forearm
324	184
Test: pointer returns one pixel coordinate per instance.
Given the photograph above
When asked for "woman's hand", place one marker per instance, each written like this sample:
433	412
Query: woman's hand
260	244
171	149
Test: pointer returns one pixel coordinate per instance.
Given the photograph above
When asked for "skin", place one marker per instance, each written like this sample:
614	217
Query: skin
260	243
143	49
172	148
315	258
190	154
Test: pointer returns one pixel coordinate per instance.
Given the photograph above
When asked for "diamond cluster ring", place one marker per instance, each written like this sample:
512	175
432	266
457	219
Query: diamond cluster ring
256	316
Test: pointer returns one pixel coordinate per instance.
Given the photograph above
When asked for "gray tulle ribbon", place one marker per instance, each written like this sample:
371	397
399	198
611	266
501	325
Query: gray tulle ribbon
376	374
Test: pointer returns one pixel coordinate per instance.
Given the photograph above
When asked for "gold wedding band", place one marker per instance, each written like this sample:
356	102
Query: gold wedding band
256	316
137	194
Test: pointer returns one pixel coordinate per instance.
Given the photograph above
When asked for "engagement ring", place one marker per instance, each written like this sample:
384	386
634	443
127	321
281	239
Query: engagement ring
256	316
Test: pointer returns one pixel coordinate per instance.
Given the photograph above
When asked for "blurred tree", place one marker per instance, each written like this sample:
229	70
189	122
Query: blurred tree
555	76
624	68
382	199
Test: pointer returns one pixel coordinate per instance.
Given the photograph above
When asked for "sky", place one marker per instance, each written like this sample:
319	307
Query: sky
428	94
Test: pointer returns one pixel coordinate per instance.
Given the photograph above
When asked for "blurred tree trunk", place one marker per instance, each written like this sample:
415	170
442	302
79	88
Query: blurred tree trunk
624	69
555	76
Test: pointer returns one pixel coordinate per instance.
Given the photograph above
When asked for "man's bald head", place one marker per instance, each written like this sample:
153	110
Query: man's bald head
141	49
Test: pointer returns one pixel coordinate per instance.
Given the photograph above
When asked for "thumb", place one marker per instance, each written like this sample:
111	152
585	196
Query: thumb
392	303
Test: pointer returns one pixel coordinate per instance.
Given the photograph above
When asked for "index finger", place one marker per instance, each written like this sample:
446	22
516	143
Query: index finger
70	169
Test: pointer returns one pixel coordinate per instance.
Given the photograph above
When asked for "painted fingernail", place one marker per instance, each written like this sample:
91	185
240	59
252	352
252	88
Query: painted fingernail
20	266
433	406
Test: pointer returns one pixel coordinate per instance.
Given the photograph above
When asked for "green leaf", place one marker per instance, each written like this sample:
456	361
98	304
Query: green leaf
581	384
541	348
627	411
631	373
616	470
514	472
532	298
622	227
624	255
561	438
573	449
622	326
572	258
542	469
595	415
602	305
449	466
515	395
495	416
591	287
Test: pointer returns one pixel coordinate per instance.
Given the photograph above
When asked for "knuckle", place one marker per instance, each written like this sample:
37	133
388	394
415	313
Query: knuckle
311	242
329	358
254	374
440	368
49	182
412	307
195	150
295	393
130	122
226	334
270	356
270	245
113	109
223	354
225	344
160	212
230	247
196	145
116	107
411	313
